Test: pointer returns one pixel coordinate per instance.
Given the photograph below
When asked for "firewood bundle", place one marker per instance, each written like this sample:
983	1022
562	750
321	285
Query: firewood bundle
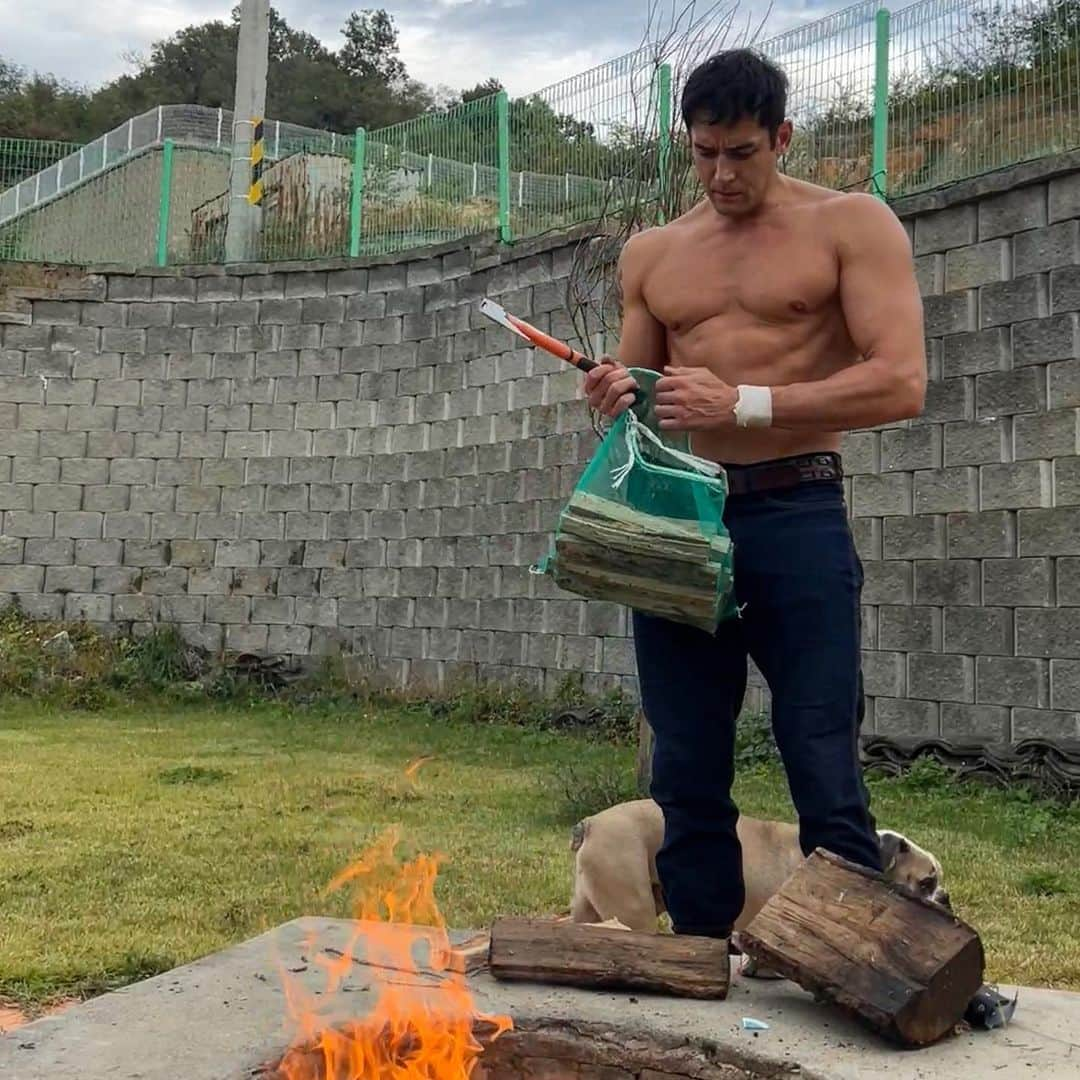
644	527
609	550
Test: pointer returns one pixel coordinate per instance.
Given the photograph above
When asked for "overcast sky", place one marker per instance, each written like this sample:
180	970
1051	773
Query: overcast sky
528	44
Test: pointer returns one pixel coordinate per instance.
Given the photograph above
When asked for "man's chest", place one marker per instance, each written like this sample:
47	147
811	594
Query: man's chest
766	283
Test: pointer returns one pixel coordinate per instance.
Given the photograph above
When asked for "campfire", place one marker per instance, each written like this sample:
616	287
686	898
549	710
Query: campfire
423	1023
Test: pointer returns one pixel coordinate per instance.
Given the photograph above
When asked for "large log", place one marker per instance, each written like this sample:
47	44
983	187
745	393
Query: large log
596	957
905	966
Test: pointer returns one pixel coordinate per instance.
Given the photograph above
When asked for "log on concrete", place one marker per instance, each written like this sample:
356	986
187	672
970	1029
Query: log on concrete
599	957
905	966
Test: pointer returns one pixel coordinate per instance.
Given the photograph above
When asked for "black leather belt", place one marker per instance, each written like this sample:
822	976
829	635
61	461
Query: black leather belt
783	472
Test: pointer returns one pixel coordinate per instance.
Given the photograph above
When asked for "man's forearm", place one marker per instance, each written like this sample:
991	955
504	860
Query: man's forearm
864	395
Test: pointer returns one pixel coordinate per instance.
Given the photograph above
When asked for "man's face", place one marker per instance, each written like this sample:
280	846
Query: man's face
736	163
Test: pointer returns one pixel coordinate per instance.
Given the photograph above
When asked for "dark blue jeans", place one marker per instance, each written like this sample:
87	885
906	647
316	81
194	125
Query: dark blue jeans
798	581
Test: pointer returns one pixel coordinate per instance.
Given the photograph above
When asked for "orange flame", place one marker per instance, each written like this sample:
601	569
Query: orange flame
423	1021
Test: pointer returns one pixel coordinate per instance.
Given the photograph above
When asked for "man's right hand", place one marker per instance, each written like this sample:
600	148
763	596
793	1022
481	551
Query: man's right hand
609	387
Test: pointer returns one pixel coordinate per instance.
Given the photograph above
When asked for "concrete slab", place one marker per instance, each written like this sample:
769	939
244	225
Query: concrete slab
223	1016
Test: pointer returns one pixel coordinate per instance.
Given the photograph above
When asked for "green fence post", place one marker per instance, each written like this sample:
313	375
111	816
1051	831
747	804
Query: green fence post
879	161
664	163
164	203
502	108
356	208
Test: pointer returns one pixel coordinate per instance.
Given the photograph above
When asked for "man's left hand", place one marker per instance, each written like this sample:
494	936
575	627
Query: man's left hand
694	399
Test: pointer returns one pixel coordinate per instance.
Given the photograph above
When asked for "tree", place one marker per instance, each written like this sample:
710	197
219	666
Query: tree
363	83
371	48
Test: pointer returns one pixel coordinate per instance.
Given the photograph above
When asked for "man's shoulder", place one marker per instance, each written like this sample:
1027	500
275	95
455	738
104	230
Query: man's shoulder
648	241
854	215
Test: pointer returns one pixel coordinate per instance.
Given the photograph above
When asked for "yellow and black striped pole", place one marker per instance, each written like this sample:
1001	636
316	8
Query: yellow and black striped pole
258	156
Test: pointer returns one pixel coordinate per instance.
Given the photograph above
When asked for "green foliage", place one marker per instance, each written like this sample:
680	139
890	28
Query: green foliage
576	790
754	742
75	666
363	83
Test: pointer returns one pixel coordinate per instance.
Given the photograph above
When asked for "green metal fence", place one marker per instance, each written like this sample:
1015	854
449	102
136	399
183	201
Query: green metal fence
20	158
891	103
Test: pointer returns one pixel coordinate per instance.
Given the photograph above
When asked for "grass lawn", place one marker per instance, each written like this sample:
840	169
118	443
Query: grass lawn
132	841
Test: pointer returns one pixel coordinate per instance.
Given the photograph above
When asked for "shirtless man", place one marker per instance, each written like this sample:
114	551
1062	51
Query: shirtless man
780	314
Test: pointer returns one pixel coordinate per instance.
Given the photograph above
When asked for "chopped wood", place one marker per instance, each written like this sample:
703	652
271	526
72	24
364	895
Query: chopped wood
609	550
608	957
471	955
905	966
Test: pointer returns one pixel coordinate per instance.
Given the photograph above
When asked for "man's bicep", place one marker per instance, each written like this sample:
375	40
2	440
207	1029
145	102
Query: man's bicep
879	291
642	340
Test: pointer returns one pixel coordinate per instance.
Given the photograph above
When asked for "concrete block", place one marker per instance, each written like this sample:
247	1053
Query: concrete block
976	264
1014	301
949	399
1044	724
1021	484
1018	582
872	496
911	448
904	628
976	352
950	313
941	677
1047	632
976	442
81	607
884	673
1013	211
1063	381
99	552
902	716
919	537
1038	250
889	582
987	535
1064	197
1007	392
106	497
1004	680
945	582
984	631
1040	341
1049	532
988	723
940	491
1064	684
25	579
866	532
1045	435
79	525
944	229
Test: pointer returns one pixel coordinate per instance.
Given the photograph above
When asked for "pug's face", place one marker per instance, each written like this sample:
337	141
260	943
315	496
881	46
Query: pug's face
913	867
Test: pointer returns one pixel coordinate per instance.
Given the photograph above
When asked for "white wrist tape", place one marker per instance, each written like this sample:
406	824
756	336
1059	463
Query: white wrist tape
754	407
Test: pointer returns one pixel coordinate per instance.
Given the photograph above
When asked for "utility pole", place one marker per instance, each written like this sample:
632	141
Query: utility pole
245	187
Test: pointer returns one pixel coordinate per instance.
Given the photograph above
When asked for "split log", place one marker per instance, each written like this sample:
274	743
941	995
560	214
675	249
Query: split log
903	965
602	957
609	550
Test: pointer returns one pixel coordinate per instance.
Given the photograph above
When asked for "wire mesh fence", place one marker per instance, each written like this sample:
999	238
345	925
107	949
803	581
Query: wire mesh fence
111	217
975	86
830	65
432	178
933	93
588	146
23	158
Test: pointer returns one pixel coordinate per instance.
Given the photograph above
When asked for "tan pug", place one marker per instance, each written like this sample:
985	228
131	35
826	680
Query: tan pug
615	865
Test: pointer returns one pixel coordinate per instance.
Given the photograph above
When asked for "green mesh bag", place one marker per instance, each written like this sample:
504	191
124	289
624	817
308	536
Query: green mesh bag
644	526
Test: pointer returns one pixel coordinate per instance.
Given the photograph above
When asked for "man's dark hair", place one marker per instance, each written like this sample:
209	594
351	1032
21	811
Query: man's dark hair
733	86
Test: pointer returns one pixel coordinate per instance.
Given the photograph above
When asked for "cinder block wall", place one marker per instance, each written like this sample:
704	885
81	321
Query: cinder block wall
967	518
306	459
